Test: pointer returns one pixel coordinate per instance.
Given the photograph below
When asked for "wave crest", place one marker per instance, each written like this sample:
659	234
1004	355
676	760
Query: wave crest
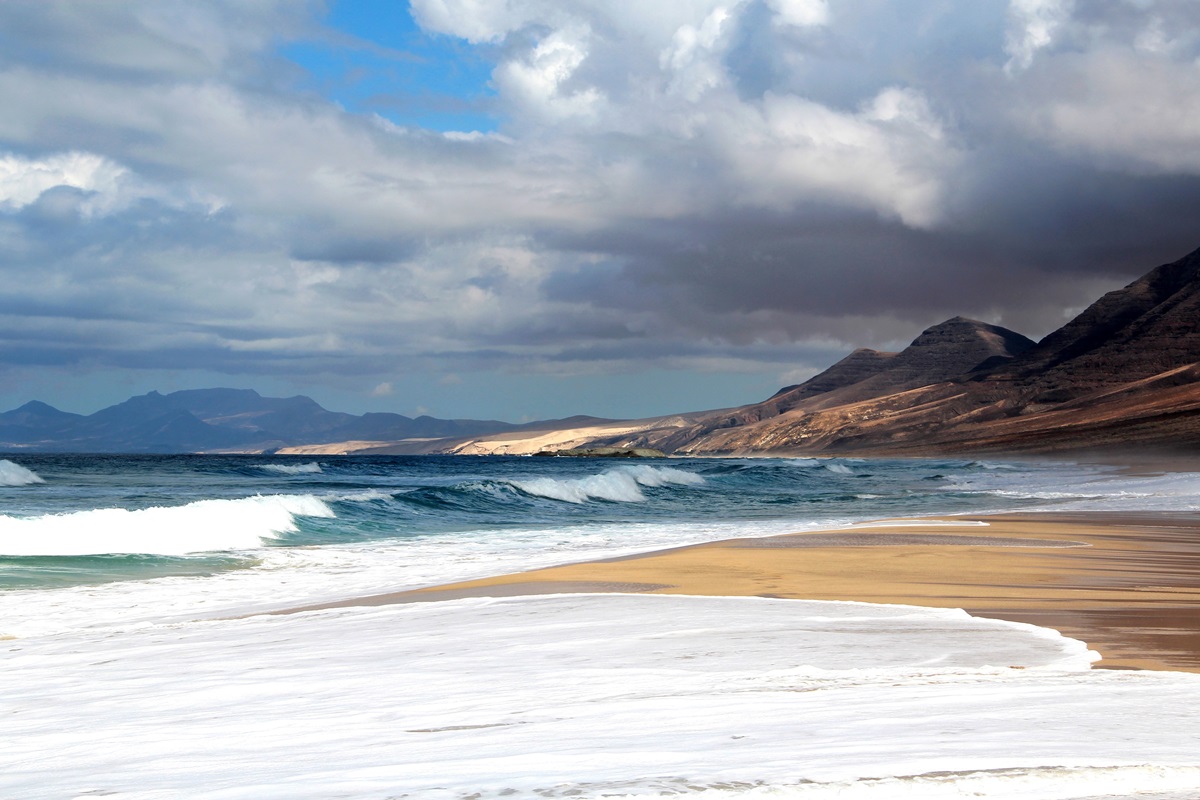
15	475
291	469
621	485
203	526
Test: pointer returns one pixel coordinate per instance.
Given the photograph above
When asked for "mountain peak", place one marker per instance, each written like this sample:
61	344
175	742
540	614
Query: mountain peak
1001	341
941	352
40	409
958	345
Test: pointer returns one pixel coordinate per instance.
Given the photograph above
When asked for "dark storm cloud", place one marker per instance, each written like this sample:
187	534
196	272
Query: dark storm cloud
1038	223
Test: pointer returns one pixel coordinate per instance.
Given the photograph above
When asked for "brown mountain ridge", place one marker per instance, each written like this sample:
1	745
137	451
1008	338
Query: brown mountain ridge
1124	374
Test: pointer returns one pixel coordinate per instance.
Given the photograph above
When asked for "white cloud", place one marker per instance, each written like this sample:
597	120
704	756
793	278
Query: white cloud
473	20
24	180
384	389
1125	90
889	156
1137	114
1033	26
693	58
535	82
800	13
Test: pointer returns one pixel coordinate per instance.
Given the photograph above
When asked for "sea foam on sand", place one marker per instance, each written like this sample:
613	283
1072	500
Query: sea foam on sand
589	696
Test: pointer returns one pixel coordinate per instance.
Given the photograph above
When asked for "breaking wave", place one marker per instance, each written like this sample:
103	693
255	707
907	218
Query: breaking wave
203	526
622	485
15	475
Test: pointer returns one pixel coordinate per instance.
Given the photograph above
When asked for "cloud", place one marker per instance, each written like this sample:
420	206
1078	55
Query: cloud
801	13
890	155
692	60
23	181
536	83
1034	26
1120	88
673	185
384	389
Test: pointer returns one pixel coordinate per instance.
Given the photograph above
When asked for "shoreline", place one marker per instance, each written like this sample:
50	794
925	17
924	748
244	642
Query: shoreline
1127	584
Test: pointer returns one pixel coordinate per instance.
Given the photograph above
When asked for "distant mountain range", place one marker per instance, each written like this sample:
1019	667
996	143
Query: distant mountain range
208	420
1123	375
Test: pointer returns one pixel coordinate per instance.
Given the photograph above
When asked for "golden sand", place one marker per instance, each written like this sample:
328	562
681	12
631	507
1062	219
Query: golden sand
1127	584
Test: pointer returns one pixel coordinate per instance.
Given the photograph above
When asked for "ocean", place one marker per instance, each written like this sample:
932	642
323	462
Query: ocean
136	662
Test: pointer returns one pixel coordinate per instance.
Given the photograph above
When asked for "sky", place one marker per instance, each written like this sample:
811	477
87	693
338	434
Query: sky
528	209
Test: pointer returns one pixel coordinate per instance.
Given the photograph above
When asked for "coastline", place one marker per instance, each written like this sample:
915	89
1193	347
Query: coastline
1127	584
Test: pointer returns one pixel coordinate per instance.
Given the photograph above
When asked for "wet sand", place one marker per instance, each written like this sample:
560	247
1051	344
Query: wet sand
1127	584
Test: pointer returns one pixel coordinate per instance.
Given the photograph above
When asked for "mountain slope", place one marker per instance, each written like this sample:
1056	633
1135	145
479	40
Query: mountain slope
1125	373
35	421
941	352
1147	328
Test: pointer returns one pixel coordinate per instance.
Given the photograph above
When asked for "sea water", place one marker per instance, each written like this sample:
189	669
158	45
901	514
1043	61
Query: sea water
135	662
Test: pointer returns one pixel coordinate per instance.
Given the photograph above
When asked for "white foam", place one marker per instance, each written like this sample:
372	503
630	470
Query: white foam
1084	487
621	485
589	696
203	526
291	469
295	576
15	475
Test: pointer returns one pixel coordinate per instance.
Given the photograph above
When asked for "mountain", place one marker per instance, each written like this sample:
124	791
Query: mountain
1123	375
1149	327
147	423
941	353
213	419
33	422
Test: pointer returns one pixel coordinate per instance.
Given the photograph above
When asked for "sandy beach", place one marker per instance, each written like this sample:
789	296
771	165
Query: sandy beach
1127	584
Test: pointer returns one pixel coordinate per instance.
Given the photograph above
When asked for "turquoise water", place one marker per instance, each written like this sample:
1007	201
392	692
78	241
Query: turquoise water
60	526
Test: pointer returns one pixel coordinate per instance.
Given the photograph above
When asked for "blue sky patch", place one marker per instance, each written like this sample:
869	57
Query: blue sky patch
374	58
